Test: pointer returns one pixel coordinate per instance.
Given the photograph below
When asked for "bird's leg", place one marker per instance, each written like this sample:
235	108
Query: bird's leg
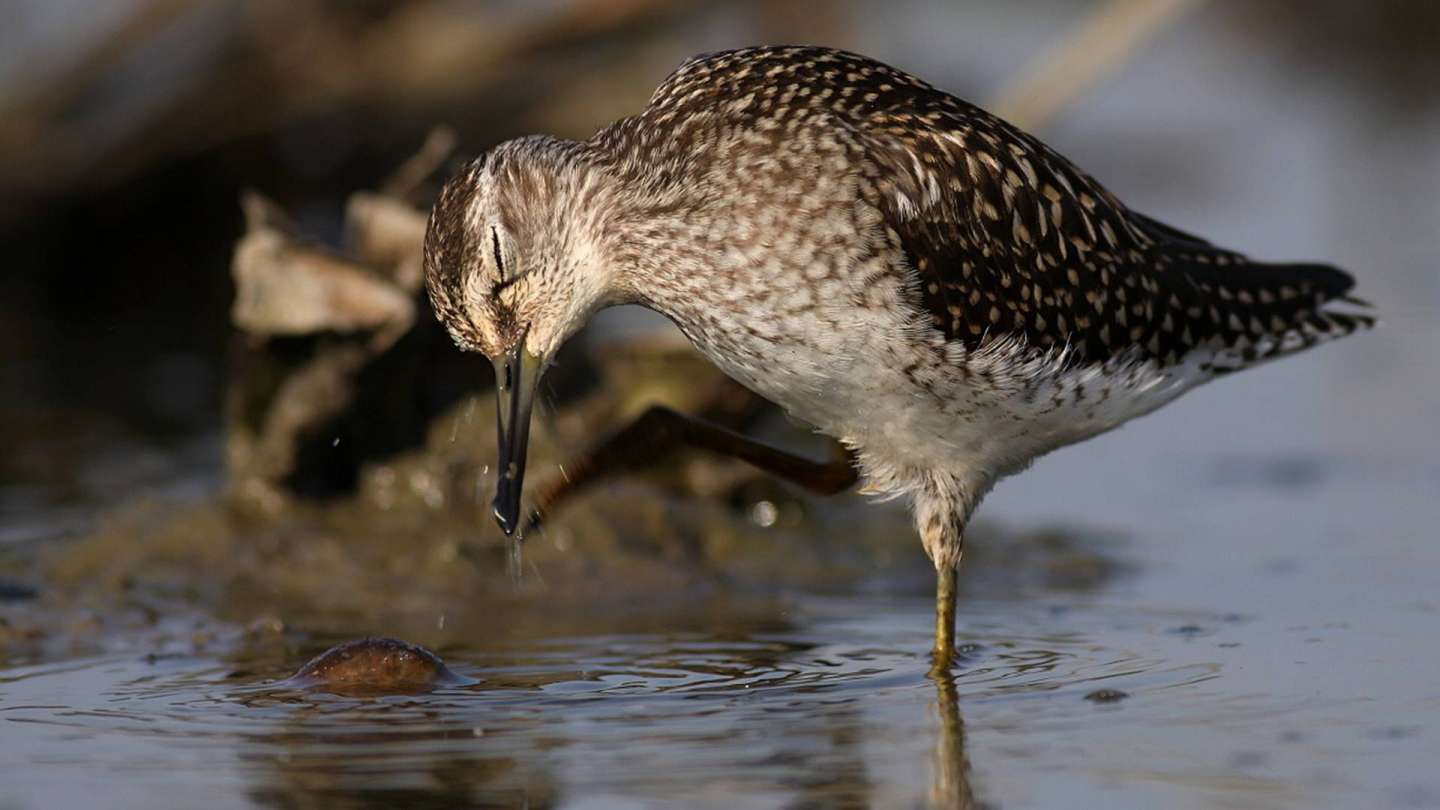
943	655
940	515
660	430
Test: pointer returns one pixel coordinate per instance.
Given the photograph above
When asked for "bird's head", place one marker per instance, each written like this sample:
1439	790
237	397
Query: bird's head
513	269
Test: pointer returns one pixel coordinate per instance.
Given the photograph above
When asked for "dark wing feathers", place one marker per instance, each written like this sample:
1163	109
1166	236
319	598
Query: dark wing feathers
1011	240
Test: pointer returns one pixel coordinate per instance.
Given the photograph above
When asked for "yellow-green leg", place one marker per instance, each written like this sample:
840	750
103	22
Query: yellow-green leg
943	655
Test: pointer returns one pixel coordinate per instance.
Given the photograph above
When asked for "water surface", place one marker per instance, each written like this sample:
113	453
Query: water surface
830	707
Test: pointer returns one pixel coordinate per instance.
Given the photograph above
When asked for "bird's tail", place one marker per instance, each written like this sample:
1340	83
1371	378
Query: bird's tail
1264	311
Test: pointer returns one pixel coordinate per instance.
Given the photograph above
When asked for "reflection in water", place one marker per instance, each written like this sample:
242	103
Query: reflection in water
950	767
426	753
824	712
500	743
442	766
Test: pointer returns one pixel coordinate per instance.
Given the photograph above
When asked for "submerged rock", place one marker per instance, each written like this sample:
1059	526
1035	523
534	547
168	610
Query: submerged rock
376	665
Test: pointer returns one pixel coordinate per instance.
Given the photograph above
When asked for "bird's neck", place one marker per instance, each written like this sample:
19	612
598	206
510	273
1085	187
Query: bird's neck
643	214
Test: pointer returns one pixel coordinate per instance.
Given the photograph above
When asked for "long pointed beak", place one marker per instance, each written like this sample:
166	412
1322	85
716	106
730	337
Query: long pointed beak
516	375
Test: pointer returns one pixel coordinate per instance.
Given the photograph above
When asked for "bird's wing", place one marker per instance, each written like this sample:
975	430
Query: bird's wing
1011	241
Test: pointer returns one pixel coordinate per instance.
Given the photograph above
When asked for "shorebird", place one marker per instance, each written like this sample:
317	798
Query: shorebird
941	293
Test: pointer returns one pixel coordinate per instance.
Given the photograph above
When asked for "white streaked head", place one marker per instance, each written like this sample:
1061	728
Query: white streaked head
512	257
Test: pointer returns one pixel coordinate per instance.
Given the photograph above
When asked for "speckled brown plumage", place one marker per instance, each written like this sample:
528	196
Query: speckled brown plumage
1007	237
939	291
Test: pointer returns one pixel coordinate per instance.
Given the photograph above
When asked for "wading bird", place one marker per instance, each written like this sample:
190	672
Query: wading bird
937	290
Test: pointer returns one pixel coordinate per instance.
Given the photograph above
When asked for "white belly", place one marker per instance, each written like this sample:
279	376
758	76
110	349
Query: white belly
913	412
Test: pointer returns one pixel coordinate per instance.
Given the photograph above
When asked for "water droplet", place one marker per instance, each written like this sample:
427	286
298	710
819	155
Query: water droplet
515	562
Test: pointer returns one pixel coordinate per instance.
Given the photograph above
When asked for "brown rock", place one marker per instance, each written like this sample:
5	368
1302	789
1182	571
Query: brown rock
376	665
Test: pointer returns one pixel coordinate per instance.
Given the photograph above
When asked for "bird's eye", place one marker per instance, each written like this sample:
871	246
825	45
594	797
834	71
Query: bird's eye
499	260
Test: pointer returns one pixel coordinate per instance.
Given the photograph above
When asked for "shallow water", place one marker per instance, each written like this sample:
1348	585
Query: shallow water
831	708
837	710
